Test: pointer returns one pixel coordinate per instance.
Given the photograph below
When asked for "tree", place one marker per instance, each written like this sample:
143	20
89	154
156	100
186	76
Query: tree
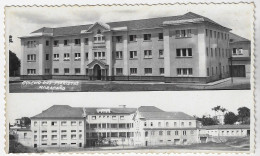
14	64
207	121
26	122
244	115
223	110
216	109
230	118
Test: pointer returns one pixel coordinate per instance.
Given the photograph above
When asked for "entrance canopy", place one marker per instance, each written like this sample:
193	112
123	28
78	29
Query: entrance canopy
102	64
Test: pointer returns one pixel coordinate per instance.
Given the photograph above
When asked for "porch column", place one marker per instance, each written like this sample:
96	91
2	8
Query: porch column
41	57
90	49
167	59
82	56
109	52
125	54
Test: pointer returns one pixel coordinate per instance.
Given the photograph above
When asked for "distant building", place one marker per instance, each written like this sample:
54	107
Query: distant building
185	48
219	133
24	136
241	56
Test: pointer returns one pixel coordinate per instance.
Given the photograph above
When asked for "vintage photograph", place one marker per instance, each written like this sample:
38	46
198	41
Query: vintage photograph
100	48
58	124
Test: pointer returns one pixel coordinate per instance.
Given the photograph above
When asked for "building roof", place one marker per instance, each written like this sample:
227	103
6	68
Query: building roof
226	127
65	111
149	109
236	38
131	25
113	110
60	111
166	116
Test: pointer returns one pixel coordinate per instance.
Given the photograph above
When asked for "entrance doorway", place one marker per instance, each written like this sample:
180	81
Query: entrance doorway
97	72
238	71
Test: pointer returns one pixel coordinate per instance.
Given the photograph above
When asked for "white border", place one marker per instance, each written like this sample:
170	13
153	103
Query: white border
94	2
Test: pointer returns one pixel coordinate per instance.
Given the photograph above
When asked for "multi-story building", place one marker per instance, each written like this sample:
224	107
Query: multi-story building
241	56
154	126
59	126
219	133
185	48
109	125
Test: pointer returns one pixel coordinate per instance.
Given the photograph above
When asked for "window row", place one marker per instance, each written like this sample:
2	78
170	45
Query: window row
161	133
133	38
133	71
114	117
55	137
55	123
218	52
217	70
109	125
167	124
215	34
55	131
56	57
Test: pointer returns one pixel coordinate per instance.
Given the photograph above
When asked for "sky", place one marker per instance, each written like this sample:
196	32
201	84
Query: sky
191	102
21	21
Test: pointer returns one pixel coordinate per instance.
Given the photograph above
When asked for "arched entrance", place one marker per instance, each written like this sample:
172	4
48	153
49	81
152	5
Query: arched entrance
97	72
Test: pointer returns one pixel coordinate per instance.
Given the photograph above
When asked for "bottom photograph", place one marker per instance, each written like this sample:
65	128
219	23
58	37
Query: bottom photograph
69	128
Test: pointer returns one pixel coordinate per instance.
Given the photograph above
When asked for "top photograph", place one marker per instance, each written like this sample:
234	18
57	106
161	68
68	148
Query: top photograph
129	48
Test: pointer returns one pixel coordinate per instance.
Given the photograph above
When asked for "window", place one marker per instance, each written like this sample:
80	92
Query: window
167	124
47	57
35	137
133	54
54	131
216	53
211	52
54	123
54	137
161	55
207	71
148	54
63	131
31	58
56	70
73	123
160	132
63	137
176	132
182	124
66	70
77	56
175	124
44	123
185	52
161	71
44	137
119	71
206	32
212	71
145	124
55	43
215	34
151	124
118	39
86	55
31	44
63	123
133	71
119	54
73	131
122	117
184	71
132	38
160	36
168	132
190	124
148	71
103	55
77	70
94	117
183	33
77	41
207	51
47	70
184	132
56	57
159	124
80	136
65	42
66	56
113	117
44	131
86	41
147	37
35	123
210	33
47	43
